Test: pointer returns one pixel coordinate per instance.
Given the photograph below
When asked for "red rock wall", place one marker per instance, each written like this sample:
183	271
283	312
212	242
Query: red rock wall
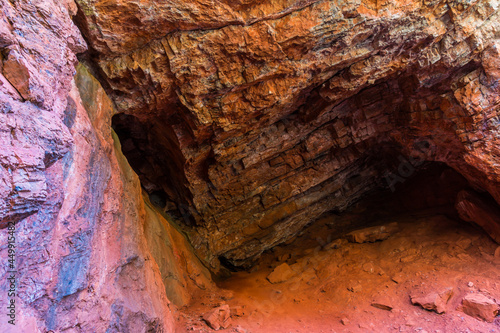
91	253
253	117
269	113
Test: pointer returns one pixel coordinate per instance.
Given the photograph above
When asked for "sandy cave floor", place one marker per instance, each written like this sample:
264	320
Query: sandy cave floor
334	288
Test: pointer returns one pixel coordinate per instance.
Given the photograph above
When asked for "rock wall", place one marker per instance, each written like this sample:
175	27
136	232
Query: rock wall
256	117
91	253
247	119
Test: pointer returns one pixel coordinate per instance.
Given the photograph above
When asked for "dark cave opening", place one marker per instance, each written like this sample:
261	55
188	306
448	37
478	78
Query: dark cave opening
403	184
152	151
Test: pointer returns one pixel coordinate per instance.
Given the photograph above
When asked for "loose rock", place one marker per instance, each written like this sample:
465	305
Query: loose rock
434	301
383	305
280	274
372	234
218	318
480	307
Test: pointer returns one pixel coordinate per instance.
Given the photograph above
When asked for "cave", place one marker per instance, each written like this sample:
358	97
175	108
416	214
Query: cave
250	166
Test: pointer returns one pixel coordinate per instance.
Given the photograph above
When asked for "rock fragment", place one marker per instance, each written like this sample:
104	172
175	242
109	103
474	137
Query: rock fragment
281	273
434	301
218	318
238	311
372	234
382	304
355	287
481	307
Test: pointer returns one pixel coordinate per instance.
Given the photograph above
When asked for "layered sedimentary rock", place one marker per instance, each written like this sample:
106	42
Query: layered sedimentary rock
247	119
255	117
482	211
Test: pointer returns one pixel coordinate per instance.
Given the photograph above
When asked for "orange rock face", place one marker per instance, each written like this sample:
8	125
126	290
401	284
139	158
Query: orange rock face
246	119
256	117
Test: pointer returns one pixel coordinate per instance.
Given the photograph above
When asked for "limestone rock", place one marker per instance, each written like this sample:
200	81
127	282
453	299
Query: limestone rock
480	307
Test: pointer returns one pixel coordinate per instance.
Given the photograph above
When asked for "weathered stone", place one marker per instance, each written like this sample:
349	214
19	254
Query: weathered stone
280	274
485	213
434	301
251	119
355	287
218	318
480	307
16	72
238	311
258	115
372	234
382	304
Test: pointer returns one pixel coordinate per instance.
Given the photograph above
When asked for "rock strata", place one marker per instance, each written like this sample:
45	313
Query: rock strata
255	118
244	120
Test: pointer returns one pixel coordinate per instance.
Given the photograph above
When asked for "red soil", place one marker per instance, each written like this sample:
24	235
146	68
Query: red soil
335	289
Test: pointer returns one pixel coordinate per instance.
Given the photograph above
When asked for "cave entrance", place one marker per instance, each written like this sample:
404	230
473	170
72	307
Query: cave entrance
431	190
394	258
152	150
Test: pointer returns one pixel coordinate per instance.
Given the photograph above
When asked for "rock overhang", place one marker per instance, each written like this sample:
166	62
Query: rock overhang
256	123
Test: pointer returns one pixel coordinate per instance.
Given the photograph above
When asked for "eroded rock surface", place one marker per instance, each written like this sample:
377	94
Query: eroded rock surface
435	301
247	119
482	211
86	258
34	85
257	117
481	307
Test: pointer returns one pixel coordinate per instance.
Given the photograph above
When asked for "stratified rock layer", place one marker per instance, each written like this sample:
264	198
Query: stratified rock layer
34	85
257	117
249	118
